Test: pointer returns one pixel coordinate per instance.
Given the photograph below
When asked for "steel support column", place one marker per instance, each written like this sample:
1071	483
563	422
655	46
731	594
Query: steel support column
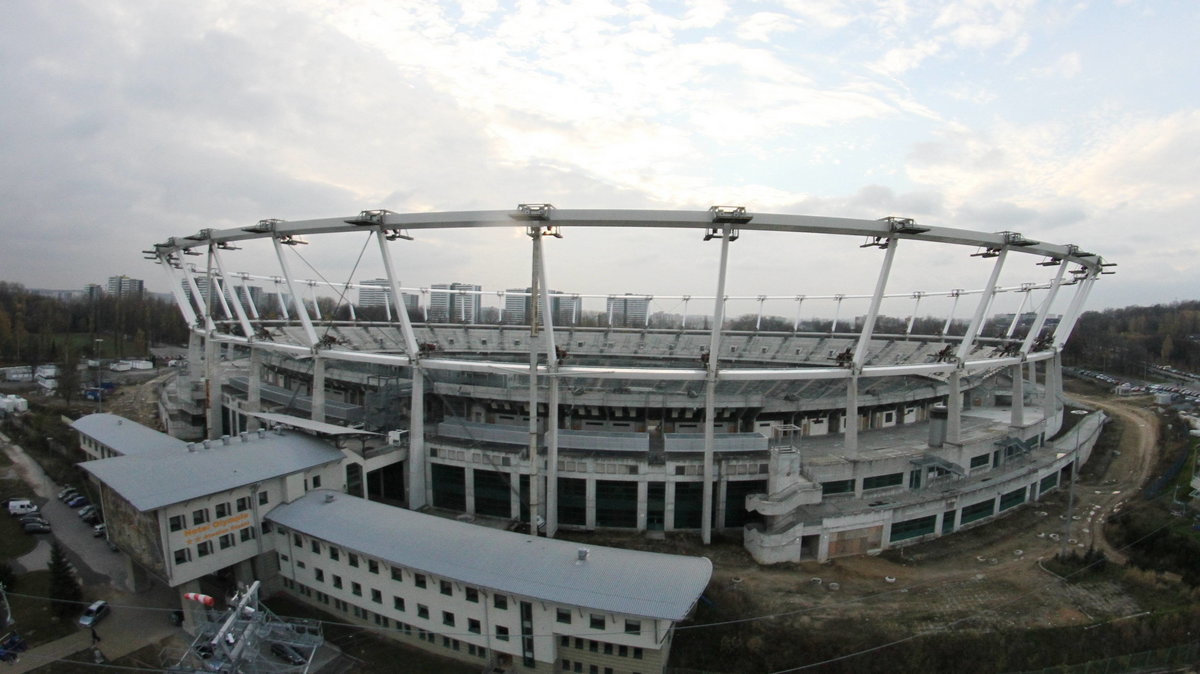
850	436
225	283
989	291
552	397
298	301
710	389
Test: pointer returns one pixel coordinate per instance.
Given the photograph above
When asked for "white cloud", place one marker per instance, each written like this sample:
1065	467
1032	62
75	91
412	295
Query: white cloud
1065	67
762	26
902	59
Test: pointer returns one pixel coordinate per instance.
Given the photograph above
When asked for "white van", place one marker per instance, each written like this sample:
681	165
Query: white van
21	507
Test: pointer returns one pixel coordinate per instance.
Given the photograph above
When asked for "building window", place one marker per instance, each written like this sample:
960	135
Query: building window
447	618
419	579
564	616
353	559
226	541
447	588
398	603
316	481
608	649
221	510
355	589
316	547
243	504
500	601
333	553
472	595
473	626
593	646
199	516
637	653
262	498
297	541
633	627
501	633
337	581
373	566
204	549
175	523
397	575
183	556
319	575
247	533
597	622
422	611
623	651
376	596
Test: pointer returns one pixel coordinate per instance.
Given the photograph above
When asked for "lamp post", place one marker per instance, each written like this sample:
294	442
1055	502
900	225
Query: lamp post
99	389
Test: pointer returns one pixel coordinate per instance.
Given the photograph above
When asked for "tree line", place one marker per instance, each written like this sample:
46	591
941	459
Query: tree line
36	329
1132	339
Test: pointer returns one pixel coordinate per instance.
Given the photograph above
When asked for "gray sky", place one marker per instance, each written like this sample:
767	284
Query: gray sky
127	122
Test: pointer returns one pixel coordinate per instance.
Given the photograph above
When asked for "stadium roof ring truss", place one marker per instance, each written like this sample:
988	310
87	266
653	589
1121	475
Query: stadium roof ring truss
243	325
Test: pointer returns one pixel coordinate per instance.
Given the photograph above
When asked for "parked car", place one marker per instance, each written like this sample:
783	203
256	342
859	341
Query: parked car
78	502
87	510
38	519
22	507
287	653
67	492
92	518
94	613
36	528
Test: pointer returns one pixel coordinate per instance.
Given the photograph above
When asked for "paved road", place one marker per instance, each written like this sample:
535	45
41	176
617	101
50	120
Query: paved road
136	620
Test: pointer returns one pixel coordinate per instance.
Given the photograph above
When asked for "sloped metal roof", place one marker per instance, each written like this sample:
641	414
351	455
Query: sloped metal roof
126	436
153	480
629	582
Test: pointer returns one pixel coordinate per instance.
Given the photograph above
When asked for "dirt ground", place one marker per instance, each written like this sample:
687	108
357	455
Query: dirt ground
984	578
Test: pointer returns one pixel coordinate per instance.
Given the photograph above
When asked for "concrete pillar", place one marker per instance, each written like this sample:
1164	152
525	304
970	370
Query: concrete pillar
669	506
589	500
254	390
954	409
318	389
850	435
1018	397
469	488
419	489
212	380
643	497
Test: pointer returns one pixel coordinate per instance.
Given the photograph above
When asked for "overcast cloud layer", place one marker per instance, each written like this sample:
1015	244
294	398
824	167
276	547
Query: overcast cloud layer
124	123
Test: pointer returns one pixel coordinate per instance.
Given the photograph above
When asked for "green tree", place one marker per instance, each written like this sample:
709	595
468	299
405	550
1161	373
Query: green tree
65	591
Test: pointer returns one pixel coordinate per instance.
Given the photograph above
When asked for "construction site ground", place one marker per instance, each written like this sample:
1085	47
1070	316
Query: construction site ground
989	577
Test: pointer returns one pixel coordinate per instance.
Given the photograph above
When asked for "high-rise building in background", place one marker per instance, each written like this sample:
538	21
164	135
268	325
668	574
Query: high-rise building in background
628	310
375	295
123	286
564	308
454	303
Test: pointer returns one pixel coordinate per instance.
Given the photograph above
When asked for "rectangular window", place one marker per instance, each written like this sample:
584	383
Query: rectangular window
183	556
500	601
422	611
297	541
376	596
623	651
637	653
199	516
419	579
316	546
397	574
472	595
334	554
319	575
473	626
446	588
243	504
447	618
222	510
398	603
608	649
204	549
353	559
981	460
337	581
597	622
564	616
175	523
356	589
501	633
881	481
247	533
316	481
593	646
633	627
226	541
373	566
262	498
